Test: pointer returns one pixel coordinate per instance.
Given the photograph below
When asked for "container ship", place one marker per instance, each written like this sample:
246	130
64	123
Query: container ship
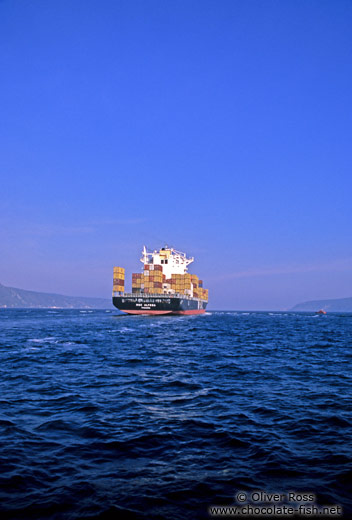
163	287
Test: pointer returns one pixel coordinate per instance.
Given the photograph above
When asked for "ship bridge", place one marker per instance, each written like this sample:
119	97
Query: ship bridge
171	260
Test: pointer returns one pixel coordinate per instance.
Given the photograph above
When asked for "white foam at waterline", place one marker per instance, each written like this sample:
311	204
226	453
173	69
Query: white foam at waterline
126	329
49	339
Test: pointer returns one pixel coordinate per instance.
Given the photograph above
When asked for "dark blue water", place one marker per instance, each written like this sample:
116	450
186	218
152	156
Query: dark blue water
164	417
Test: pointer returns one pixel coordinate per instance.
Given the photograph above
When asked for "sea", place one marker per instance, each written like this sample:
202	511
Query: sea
136	417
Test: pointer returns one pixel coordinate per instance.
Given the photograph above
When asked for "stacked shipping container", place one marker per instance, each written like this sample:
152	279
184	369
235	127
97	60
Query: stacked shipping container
153	281
150	281
119	279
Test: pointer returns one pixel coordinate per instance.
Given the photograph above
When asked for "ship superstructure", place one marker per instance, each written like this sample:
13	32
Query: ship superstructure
172	261
163	287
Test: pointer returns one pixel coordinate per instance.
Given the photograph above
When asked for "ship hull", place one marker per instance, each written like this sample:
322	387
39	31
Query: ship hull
159	305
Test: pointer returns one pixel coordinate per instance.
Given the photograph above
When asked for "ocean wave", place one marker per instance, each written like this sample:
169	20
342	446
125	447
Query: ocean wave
160	418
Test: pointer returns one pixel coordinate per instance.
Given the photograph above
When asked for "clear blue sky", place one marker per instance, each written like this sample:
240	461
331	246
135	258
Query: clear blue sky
223	128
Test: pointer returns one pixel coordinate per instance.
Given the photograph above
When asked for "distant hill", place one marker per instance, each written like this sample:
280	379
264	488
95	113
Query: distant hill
19	298
340	305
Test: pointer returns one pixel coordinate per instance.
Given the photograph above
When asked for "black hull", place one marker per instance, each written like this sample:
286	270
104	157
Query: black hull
159	304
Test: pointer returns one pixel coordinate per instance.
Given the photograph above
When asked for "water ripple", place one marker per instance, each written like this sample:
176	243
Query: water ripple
160	418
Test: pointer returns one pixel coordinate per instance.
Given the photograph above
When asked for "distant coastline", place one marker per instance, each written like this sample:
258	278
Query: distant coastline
332	305
14	298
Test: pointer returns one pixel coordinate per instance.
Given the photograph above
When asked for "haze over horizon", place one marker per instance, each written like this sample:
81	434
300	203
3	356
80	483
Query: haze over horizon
222	129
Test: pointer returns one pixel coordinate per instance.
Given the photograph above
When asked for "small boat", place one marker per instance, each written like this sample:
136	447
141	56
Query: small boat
321	311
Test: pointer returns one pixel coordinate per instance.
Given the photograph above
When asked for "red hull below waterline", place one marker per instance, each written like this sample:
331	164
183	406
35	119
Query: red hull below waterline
158	313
